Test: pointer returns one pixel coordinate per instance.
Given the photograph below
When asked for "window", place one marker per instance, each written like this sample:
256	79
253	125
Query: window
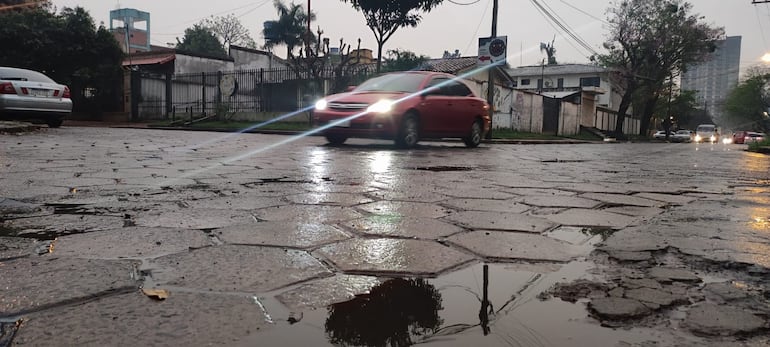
560	83
459	89
525	81
441	85
589	82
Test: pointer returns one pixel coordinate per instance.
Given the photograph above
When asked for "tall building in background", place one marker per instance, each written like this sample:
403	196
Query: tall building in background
131	28
716	77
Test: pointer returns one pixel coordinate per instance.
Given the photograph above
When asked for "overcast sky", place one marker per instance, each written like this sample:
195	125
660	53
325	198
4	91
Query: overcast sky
451	26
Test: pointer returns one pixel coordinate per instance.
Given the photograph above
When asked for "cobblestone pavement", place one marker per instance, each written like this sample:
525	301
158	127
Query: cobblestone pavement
147	237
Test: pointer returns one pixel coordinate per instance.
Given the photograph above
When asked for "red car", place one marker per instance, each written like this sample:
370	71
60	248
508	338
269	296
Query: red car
405	107
740	136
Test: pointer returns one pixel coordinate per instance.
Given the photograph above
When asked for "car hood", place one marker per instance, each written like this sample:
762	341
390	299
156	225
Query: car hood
364	97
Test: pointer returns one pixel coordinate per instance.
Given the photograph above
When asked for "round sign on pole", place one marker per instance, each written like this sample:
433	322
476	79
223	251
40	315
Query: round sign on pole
497	48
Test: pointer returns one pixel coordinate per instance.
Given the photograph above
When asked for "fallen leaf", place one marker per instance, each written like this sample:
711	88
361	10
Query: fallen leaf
157	294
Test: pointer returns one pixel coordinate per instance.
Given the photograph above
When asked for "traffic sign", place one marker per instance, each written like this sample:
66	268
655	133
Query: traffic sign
492	50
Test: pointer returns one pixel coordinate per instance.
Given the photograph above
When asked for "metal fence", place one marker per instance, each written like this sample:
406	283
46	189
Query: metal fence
166	96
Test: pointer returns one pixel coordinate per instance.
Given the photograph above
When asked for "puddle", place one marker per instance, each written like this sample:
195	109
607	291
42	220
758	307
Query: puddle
489	305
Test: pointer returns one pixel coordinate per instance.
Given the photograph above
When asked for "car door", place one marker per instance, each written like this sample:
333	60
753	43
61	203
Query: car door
435	104
460	110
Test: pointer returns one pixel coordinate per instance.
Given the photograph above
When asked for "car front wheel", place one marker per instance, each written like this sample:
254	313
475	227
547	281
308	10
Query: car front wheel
54	122
474	139
409	134
336	139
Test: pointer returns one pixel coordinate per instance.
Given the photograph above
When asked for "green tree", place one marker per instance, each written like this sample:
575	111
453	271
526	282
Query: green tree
289	29
649	42
403	60
229	30
202	40
69	48
384	17
747	104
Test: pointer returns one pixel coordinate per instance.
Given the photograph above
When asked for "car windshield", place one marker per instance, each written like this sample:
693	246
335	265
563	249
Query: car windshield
403	82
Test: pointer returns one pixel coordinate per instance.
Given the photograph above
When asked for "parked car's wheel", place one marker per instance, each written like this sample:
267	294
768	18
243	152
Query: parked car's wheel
336	139
409	133
474	139
54	122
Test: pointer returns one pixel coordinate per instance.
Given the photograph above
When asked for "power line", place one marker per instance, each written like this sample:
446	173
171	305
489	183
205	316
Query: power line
464	4
585	13
761	30
552	20
572	31
475	34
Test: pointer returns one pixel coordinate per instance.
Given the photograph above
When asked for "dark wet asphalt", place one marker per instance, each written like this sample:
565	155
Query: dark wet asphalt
277	240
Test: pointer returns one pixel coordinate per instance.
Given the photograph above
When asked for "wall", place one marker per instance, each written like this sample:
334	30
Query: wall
527	115
605	120
569	117
189	64
248	59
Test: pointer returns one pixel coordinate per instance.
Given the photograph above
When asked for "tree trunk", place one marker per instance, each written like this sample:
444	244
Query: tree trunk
625	102
649	110
379	55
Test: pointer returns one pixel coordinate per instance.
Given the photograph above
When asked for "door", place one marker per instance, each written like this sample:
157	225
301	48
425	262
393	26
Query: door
434	107
551	110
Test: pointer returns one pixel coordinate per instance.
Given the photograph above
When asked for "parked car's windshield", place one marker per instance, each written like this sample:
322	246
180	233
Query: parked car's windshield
402	82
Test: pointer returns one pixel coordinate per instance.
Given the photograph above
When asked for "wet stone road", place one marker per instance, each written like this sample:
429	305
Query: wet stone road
137	237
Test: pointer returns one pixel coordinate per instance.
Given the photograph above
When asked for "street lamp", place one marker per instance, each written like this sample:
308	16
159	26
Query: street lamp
766	58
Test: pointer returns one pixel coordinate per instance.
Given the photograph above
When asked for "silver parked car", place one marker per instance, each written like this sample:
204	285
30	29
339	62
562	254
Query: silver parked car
33	96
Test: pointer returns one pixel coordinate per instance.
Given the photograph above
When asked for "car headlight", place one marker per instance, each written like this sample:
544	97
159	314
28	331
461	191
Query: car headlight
727	140
698	138
320	105
381	106
712	138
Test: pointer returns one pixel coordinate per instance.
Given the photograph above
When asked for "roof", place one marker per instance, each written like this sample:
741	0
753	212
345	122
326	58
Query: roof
449	65
560	95
149	60
557	69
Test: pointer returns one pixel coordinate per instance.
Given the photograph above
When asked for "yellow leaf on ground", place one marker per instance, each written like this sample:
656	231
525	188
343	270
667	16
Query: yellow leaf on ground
157	294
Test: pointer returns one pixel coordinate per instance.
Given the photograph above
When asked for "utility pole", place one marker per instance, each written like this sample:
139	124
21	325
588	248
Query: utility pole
491	74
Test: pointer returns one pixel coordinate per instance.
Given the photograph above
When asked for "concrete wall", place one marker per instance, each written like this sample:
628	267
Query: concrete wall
569	119
248	59
189	64
605	120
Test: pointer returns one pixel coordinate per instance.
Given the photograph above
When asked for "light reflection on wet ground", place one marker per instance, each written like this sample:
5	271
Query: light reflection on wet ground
445	311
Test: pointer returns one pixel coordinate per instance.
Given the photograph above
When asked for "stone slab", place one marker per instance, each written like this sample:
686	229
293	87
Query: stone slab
325	198
130	242
315	213
398	226
405	208
318	294
560	201
500	221
132	319
33	283
671	274
667	198
712	319
620	199
236	268
292	234
14	247
614	308
656	296
583	217
192	218
516	246
393	256
507	206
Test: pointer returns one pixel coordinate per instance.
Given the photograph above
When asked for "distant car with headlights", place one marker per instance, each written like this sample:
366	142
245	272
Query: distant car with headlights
752	137
32	96
661	135
739	136
683	136
405	107
707	133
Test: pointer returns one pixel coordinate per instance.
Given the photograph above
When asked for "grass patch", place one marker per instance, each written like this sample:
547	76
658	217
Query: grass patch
755	146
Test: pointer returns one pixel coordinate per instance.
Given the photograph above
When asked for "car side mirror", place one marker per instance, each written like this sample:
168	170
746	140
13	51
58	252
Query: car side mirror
350	88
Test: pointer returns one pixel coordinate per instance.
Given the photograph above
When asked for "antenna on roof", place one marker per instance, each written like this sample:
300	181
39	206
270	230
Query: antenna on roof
117	5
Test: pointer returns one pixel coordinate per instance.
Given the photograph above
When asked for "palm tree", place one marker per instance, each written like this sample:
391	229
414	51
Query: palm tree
290	29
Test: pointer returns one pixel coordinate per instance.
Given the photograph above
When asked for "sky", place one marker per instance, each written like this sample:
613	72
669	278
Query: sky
454	25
